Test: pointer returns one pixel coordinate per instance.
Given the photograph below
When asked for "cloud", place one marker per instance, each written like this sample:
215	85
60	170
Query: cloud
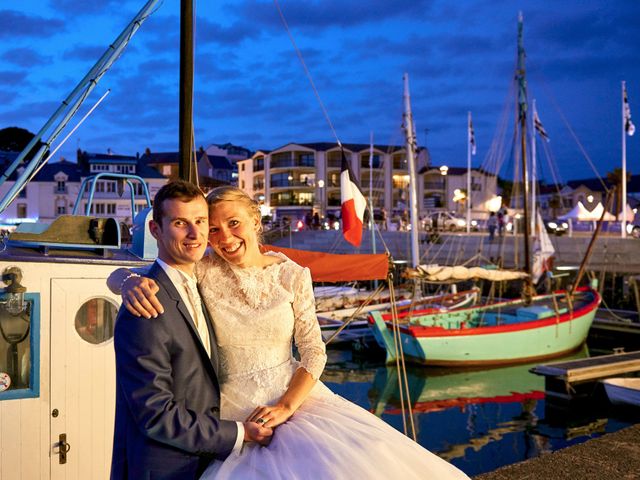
12	77
85	53
314	14
24	57
74	7
16	25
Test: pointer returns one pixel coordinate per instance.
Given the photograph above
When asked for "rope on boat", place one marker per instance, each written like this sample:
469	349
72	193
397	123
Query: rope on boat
403	382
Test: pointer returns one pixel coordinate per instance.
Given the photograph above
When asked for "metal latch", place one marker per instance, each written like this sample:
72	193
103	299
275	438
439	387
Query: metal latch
63	448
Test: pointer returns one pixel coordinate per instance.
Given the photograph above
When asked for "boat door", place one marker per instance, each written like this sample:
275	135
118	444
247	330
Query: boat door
82	386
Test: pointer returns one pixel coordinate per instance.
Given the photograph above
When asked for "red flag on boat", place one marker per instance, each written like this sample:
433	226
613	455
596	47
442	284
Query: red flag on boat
353	205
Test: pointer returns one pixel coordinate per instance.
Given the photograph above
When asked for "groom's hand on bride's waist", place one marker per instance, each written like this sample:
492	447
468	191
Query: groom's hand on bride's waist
254	432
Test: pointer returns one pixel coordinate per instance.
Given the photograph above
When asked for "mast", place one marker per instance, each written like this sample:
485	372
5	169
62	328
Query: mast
623	226
413	197
470	151
372	222
186	90
534	181
522	119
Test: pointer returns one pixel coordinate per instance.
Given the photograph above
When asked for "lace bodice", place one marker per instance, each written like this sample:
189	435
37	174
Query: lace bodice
256	313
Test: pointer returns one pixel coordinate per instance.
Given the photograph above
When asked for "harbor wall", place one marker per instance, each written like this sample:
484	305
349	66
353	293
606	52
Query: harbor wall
611	253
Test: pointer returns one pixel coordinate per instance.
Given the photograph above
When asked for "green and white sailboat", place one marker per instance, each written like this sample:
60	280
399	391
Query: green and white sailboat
516	331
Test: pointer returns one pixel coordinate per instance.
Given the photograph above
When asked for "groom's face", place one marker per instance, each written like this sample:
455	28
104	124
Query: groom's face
182	232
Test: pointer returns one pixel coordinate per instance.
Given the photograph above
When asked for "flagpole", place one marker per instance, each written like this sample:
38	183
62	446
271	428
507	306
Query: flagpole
468	172
371	216
533	170
623	226
413	197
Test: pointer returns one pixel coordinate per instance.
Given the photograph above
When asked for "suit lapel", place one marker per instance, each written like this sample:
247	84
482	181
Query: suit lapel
212	336
158	273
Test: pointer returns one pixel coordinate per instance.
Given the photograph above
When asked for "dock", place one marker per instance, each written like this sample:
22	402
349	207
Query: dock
615	455
567	381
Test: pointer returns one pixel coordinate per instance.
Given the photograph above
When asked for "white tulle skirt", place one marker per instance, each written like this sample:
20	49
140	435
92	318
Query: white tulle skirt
332	438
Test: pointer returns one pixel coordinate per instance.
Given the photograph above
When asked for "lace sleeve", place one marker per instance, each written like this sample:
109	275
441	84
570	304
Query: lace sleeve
306	327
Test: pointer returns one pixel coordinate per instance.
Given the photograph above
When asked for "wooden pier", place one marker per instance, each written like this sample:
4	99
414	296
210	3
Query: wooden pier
567	381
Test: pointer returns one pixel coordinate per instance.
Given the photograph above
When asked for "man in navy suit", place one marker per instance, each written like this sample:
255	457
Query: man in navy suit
167	393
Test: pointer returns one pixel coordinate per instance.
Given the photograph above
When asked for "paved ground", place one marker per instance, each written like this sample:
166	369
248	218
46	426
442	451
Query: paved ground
612	456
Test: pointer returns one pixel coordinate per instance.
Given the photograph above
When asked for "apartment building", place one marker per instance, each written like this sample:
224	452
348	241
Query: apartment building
302	177
54	189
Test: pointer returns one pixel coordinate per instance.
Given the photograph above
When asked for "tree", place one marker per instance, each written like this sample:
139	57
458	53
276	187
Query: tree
614	177
14	139
555	202
506	189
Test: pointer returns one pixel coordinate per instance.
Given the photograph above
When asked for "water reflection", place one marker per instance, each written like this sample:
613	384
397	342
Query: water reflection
477	419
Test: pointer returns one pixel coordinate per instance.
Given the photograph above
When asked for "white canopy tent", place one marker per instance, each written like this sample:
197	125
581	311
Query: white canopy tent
579	212
596	213
630	214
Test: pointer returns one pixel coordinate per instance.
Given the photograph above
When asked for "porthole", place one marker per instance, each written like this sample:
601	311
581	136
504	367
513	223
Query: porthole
95	320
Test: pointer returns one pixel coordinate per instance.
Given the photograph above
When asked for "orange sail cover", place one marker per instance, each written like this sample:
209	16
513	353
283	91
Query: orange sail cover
332	267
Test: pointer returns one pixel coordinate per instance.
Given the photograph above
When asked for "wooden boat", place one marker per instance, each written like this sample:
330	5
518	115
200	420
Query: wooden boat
341	302
358	328
623	390
531	328
405	305
501	333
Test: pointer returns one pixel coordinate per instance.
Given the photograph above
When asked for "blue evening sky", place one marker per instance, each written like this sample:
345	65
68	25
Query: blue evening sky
251	90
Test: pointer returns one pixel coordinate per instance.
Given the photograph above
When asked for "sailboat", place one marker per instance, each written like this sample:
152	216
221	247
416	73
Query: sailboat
515	331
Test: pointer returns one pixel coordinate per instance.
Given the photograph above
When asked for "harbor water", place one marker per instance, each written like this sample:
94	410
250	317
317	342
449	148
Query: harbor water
478	419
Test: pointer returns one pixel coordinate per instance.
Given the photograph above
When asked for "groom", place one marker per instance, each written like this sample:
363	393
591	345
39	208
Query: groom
167	393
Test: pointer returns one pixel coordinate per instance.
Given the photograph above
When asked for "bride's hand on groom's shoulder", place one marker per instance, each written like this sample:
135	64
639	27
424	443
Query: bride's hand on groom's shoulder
271	415
139	297
254	432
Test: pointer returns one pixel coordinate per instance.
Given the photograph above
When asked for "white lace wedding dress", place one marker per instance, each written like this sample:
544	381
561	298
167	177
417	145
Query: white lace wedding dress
256	314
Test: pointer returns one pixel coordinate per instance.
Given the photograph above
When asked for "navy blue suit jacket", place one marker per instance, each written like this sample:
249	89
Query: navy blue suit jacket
167	422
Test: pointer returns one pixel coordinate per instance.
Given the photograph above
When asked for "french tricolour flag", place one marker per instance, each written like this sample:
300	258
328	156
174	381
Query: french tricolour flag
353	205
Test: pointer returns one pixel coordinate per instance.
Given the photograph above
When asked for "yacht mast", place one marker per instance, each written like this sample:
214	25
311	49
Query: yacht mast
186	91
413	184
522	119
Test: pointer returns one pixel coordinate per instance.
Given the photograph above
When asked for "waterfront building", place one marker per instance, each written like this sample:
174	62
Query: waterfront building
54	189
300	178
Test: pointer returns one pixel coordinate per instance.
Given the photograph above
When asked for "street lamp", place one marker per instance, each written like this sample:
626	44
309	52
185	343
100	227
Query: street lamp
321	187
443	171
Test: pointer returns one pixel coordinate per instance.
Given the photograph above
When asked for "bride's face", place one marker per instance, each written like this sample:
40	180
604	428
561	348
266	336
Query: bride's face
233	233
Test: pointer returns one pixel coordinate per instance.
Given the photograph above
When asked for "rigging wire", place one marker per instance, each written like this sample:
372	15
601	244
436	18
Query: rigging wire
307	72
572	132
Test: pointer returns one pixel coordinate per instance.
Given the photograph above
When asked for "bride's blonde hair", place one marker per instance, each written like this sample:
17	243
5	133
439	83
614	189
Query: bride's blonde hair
229	193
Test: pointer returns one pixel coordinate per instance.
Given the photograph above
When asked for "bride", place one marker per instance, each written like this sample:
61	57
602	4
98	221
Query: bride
260	303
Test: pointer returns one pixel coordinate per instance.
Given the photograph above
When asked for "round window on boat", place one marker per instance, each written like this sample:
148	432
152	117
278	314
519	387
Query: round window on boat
95	320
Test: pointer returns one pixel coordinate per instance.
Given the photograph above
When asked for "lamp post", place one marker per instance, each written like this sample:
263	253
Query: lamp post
444	170
321	188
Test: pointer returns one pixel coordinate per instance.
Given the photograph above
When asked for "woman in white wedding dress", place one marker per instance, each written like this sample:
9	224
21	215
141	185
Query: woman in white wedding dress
260	303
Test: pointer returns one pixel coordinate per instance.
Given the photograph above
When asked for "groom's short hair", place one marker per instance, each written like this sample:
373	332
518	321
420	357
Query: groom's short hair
176	189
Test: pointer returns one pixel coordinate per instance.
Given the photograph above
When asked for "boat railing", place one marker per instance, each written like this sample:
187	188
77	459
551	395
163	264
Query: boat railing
91	182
